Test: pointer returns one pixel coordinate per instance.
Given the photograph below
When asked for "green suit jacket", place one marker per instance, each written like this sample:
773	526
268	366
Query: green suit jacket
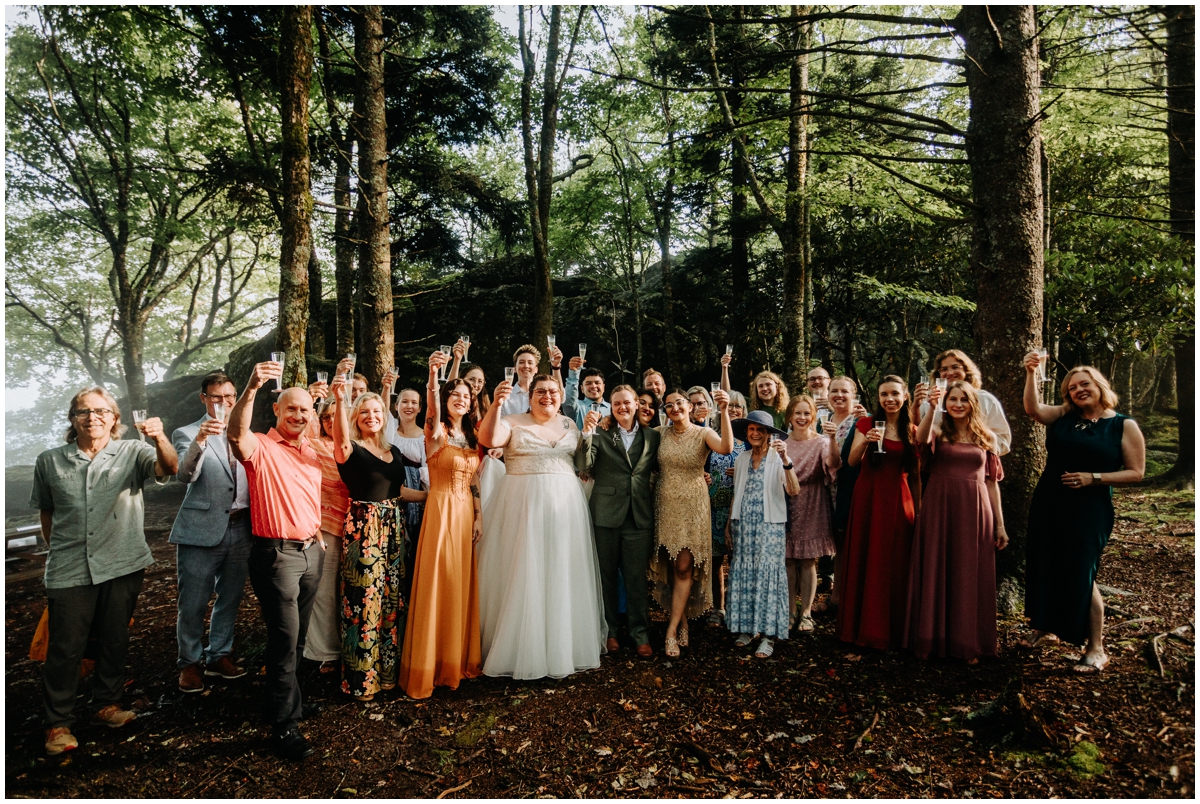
622	478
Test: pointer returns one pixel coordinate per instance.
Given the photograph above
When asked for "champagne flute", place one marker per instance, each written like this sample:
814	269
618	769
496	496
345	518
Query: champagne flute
509	373
582	351
278	357
219	411
395	378
1043	355
139	419
729	349
550	340
714	387
323	376
881	428
446	350
466	339
353	358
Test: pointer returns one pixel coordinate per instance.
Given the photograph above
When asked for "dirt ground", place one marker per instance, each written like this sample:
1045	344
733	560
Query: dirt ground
818	719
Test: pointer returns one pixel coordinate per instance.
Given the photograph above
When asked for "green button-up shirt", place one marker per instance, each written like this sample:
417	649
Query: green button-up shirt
96	531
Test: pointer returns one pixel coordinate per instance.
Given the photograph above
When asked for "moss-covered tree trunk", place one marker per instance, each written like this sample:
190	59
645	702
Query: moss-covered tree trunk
1181	160
378	352
295	78
1004	150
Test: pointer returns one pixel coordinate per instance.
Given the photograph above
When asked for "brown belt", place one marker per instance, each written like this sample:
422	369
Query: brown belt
238	516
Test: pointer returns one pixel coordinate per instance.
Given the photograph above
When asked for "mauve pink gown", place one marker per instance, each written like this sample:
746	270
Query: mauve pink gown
952	573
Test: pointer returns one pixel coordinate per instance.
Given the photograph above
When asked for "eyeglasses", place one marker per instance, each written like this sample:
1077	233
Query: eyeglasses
100	413
545	392
955	367
220	397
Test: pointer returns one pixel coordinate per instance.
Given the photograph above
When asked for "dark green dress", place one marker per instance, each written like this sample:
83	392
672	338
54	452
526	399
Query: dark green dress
1069	527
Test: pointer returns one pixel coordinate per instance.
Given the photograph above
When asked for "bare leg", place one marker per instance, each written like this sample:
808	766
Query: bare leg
839	571
679	593
793	582
808	586
1095	647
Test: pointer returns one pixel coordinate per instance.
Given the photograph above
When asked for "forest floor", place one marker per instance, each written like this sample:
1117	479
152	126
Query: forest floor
818	719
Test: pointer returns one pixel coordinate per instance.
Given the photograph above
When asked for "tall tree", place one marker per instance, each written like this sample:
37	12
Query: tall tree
1004	147
539	169
1181	156
796	279
295	79
377	319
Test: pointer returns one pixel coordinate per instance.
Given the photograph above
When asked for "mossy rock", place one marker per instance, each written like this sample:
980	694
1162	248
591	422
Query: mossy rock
1085	761
475	730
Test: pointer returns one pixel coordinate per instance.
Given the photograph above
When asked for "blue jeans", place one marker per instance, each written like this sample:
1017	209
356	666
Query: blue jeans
202	571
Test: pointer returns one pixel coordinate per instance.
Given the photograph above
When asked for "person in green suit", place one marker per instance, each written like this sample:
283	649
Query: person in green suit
621	459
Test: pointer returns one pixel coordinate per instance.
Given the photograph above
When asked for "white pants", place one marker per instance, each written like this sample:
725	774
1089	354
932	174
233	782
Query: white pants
324	640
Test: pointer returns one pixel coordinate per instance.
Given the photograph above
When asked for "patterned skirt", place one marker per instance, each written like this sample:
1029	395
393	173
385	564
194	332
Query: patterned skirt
373	608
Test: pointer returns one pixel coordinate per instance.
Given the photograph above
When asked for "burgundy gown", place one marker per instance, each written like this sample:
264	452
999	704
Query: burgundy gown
952	578
877	548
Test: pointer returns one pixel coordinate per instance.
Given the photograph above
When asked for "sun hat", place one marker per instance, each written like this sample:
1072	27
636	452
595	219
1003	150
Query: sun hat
759	417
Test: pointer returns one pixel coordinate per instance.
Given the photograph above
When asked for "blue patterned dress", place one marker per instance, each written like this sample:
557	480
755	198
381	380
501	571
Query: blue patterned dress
758	586
720	495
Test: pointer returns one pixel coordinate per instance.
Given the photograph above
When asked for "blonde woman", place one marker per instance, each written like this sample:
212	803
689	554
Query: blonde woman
1089	448
768	392
952	573
373	544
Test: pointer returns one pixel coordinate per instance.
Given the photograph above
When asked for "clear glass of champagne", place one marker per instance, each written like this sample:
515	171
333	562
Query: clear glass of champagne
278	357
446	350
881	428
714	387
729	349
550	340
509	373
395	378
353	358
139	420
466	339
1043	356
583	351
219	411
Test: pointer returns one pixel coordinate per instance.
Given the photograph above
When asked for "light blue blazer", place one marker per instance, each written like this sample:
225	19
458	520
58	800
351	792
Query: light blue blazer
204	516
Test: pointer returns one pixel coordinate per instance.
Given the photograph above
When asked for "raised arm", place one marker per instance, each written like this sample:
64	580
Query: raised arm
571	388
342	448
723	443
458	350
434	432
858	448
493	431
1046	414
833	458
725	361
242	442
926	432
791	483
556	357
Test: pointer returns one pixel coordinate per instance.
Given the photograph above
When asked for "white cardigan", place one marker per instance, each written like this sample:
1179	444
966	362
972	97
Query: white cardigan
774	496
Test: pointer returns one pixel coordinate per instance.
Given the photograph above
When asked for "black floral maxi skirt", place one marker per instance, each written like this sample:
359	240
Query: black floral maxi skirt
373	609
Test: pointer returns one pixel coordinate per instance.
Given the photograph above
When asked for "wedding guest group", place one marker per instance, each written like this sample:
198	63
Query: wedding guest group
521	528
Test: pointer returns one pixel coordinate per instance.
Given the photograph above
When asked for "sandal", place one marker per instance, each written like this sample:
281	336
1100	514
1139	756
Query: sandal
716	618
683	636
671	648
1042	641
765	649
1091	664
807	626
743	640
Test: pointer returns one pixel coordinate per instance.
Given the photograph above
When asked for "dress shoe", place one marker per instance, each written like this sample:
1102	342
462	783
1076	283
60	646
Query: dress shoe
612	645
645	651
113	716
292	745
190	679
225	668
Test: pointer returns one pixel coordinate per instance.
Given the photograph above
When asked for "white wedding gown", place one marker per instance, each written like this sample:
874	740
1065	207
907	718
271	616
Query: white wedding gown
540	610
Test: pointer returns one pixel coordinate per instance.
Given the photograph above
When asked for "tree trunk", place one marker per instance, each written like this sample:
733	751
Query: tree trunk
1004	150
295	78
343	248
665	220
316	321
1181	160
742	367
377	354
795	246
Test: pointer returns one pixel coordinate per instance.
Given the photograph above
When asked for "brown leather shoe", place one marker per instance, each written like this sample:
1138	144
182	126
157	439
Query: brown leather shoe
612	645
225	668
190	679
645	651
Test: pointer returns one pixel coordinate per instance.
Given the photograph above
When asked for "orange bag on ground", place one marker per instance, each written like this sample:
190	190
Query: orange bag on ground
41	641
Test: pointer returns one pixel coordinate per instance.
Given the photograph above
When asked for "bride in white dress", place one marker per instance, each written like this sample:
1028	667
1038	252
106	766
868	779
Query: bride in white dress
540	610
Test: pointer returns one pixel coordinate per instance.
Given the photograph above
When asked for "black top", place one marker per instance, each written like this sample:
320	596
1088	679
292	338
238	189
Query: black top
369	479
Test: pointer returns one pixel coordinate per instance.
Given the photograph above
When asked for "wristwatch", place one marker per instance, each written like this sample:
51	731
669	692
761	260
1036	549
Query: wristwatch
1095	477
788	466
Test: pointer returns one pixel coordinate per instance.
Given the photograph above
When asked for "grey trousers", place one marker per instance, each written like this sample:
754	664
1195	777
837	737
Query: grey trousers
77	613
628	548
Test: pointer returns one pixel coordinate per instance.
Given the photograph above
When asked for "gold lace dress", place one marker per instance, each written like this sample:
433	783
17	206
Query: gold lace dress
681	517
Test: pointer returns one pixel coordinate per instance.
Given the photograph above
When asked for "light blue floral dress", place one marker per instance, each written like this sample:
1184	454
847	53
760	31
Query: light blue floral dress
758	587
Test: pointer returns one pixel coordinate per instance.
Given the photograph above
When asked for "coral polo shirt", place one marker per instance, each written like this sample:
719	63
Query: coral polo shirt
285	488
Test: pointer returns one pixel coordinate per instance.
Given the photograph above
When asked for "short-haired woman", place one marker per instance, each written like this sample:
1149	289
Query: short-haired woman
952	580
1089	449
758	582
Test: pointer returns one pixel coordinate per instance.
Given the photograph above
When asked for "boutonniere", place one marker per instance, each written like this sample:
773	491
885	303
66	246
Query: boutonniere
616	437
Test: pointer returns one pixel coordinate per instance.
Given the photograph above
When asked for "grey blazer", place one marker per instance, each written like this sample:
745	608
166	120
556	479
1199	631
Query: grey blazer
622	478
203	517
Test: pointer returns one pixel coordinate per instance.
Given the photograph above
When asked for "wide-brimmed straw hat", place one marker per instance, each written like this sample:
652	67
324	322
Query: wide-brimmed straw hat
759	417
